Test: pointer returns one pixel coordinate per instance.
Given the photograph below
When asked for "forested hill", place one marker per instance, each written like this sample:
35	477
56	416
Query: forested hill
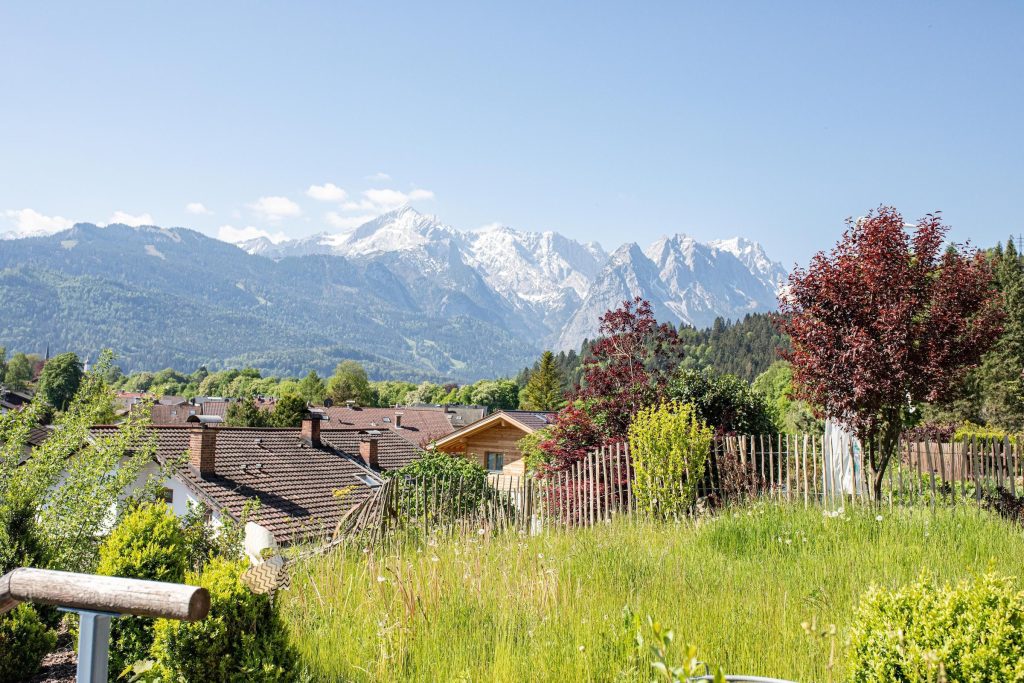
176	298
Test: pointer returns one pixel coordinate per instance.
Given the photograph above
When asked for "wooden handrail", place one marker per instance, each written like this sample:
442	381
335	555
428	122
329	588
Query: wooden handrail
103	594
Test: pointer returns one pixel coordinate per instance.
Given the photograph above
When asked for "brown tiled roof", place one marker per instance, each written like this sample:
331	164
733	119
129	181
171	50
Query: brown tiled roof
392	450
294	482
172	415
419	426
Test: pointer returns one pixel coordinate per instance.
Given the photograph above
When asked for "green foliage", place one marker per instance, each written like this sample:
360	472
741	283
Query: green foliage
789	415
534	458
744	348
498	394
148	543
242	639
18	372
24	641
73	481
545	389
60	379
349	383
971	631
669	445
968	430
723	401
246	413
312	389
289	411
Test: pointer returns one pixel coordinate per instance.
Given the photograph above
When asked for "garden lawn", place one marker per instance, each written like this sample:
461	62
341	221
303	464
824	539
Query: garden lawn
742	586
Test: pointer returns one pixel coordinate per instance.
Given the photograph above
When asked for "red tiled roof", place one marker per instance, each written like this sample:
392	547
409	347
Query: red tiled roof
419	426
294	482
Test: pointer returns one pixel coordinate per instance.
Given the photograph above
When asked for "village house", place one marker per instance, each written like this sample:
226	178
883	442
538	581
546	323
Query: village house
418	426
304	479
493	441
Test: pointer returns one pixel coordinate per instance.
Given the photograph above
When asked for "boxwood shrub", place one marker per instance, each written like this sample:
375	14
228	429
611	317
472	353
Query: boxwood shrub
971	631
24	641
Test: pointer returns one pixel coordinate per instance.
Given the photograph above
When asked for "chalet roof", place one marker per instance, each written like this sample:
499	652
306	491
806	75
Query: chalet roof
294	481
419	426
528	421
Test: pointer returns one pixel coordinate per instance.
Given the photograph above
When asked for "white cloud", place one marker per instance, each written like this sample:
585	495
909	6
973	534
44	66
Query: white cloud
197	209
348	222
31	222
328	192
387	199
229	233
378	177
131	220
275	208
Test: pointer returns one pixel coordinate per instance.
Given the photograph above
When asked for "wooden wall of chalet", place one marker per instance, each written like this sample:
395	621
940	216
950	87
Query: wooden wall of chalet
495	439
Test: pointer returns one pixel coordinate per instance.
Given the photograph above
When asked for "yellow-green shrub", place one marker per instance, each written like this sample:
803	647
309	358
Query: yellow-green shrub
971	631
669	446
148	543
242	639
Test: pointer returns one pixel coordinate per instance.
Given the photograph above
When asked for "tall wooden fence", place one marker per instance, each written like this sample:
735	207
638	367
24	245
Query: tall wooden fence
795	468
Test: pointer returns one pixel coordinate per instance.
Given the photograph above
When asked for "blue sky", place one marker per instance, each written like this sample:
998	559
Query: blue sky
608	121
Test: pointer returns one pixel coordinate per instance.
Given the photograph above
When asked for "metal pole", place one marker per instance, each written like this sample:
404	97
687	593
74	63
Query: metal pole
93	645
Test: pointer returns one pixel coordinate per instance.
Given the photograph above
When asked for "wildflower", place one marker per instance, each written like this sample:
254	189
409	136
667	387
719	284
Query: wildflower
480	532
878	518
381	579
434	558
540	556
582	648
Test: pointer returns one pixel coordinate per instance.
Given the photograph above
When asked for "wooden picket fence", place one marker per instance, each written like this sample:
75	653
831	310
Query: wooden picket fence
603	485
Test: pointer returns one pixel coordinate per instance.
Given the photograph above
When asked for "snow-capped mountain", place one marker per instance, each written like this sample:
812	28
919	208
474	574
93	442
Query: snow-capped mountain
542	285
686	281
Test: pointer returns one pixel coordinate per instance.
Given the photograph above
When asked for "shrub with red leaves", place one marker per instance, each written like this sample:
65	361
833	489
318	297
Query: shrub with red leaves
887	318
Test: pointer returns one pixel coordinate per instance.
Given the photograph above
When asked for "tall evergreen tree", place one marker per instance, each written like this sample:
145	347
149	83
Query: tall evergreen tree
546	387
999	378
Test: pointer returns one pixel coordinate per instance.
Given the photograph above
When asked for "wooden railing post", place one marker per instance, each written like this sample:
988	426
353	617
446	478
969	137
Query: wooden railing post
98	599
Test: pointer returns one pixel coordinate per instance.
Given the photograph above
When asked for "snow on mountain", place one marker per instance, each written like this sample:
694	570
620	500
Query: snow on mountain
547	286
754	258
686	281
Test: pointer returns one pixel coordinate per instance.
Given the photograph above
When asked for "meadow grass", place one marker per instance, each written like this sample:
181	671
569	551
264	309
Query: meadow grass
738	585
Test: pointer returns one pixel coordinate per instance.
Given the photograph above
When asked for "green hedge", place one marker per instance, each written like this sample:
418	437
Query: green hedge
972	631
242	639
24	641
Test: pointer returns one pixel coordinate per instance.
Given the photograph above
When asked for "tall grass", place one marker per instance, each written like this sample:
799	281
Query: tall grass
744	587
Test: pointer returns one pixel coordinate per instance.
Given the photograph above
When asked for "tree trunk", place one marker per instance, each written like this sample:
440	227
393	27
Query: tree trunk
888	441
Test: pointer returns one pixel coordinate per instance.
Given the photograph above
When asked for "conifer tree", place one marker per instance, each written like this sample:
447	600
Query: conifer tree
546	386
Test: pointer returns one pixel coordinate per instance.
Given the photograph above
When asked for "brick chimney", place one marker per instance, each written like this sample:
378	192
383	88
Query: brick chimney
398	420
202	449
368	451
311	430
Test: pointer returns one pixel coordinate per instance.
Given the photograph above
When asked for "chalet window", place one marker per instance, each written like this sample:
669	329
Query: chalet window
495	462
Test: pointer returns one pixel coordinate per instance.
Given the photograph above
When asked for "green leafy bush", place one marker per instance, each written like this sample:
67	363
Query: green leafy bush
149	543
971	631
24	641
670	448
242	639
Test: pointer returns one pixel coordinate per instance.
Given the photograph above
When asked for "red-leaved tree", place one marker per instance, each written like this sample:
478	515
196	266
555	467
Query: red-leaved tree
628	368
888	318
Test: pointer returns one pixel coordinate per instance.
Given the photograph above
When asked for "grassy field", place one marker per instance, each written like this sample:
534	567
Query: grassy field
739	586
